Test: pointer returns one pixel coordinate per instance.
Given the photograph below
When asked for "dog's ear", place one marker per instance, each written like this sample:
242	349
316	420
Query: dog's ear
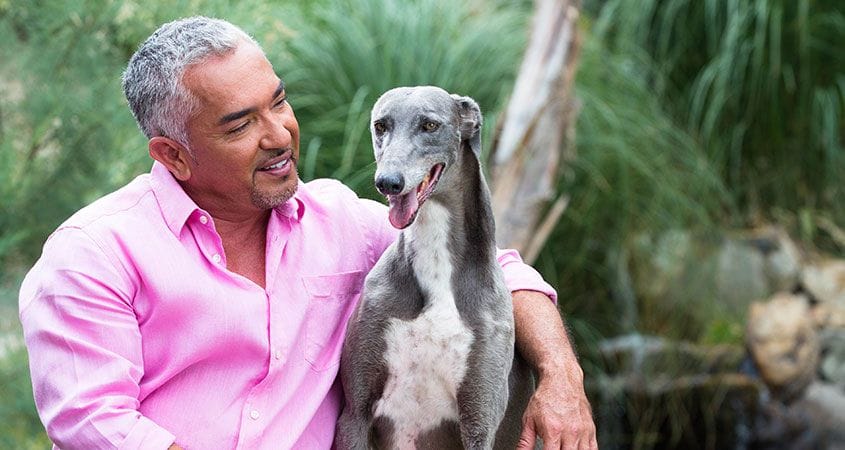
470	126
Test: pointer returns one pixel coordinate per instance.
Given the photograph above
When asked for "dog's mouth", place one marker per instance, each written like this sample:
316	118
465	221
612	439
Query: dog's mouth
404	207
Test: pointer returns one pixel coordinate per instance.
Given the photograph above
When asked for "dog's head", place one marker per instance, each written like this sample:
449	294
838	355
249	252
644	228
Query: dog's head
417	134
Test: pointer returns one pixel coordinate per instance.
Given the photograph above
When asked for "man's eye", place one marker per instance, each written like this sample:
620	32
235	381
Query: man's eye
238	129
430	126
281	102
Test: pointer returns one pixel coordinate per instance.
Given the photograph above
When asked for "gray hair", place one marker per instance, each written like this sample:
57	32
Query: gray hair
153	82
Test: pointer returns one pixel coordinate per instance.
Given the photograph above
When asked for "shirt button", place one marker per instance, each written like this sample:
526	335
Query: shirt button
203	220
216	257
254	414
277	354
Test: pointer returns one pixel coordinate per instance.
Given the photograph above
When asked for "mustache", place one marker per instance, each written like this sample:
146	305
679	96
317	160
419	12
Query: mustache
281	151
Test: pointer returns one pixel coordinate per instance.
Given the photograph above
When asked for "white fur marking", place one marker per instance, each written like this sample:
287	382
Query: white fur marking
426	357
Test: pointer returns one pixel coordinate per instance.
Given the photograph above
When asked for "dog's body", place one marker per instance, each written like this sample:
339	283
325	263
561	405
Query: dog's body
429	357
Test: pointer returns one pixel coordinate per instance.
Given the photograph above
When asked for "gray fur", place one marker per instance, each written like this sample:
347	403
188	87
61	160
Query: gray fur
497	383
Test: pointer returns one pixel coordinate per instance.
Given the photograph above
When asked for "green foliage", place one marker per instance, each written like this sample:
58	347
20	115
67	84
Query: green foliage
636	170
692	113
347	54
20	426
65	135
761	84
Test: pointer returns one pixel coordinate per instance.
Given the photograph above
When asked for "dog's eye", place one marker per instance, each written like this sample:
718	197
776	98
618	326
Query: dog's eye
379	127
430	125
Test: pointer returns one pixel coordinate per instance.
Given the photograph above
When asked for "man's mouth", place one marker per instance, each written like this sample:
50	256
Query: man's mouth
275	166
279	165
404	207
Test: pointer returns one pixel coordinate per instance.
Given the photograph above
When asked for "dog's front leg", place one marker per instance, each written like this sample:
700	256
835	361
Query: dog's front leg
362	374
352	431
483	395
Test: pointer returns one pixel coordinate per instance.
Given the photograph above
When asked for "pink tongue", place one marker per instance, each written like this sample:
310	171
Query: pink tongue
402	209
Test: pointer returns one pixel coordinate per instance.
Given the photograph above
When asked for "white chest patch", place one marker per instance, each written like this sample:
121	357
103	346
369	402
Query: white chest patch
426	357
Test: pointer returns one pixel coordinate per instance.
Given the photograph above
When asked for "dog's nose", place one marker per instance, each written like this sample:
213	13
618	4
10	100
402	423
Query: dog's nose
390	184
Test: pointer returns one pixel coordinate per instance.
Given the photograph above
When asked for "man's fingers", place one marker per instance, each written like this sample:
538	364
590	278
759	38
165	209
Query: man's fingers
528	436
554	444
590	443
569	444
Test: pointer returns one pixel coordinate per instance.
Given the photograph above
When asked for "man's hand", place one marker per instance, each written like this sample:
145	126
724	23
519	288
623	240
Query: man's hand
560	415
558	412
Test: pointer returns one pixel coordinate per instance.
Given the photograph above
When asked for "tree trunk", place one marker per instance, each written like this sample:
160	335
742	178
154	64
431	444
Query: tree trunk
537	133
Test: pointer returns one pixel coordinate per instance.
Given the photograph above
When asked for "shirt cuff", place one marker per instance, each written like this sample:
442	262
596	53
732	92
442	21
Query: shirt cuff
147	435
522	277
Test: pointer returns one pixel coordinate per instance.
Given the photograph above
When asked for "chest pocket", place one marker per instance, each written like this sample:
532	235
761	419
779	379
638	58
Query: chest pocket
331	299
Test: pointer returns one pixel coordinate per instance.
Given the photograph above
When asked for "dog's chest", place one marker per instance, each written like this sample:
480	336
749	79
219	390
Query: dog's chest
426	357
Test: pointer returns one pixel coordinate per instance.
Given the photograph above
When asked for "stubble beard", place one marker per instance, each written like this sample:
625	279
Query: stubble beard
270	200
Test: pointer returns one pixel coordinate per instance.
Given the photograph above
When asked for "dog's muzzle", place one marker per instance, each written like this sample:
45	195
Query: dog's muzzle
390	184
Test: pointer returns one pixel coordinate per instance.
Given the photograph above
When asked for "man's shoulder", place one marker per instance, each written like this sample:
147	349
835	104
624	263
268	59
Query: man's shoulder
331	198
327	186
326	194
123	204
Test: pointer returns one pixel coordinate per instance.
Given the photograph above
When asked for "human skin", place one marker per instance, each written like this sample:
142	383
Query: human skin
558	412
244	124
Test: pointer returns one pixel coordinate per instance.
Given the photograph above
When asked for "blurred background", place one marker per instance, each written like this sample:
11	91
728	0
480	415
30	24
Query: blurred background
697	260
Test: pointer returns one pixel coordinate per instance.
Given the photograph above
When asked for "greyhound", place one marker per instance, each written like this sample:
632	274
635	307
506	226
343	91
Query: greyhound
428	360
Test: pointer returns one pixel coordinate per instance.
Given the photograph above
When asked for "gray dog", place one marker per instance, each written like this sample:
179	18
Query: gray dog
429	357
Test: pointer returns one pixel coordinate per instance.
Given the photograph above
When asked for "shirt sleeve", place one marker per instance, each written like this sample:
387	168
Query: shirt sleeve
84	348
518	275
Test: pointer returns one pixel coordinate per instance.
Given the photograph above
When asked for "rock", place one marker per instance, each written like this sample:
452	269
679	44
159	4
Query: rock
677	276
741	276
783	260
781	427
825	281
659	262
829	315
688	412
783	343
825	404
832	366
652	357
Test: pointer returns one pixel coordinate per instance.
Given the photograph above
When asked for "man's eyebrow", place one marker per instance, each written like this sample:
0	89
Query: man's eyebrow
235	115
238	114
279	89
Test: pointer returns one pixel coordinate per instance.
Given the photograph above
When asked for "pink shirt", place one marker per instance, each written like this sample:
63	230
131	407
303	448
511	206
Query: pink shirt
139	336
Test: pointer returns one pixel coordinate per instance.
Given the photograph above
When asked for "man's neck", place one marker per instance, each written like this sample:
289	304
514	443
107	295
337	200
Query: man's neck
244	242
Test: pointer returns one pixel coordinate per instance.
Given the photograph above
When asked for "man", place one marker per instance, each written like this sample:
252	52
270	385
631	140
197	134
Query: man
203	305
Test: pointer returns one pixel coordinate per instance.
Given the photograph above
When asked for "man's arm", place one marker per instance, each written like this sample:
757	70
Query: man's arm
85	348
559	412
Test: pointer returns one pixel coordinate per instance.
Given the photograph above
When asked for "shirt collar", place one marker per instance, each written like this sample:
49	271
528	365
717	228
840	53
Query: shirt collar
293	208
177	207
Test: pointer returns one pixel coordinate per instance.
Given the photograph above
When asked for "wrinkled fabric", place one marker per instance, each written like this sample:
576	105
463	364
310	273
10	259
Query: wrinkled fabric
139	336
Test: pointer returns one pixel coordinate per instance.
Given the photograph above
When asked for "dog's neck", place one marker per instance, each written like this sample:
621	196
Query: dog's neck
454	230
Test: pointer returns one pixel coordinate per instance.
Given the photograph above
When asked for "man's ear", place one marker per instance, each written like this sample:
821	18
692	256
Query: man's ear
173	155
470	116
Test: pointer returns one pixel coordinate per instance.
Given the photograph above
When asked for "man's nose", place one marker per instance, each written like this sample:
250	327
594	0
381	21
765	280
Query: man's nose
276	134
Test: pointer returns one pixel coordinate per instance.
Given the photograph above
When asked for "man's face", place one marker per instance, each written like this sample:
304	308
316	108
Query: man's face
244	138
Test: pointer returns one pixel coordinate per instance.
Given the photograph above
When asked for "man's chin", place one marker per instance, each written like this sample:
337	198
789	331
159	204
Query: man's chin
270	200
